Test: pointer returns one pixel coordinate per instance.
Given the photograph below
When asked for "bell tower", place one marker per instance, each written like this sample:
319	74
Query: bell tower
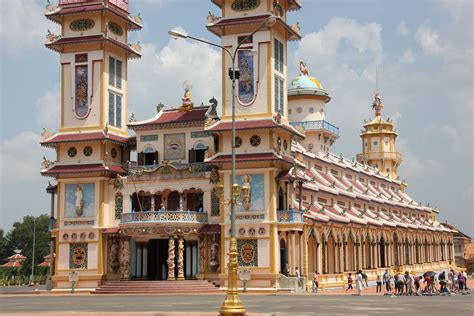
262	58
92	143
379	143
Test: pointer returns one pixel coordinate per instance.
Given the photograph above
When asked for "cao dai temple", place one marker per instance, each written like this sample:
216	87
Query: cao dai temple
163	216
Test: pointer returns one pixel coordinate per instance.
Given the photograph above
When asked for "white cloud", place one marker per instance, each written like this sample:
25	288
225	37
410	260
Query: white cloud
160	74
23	25
47	107
428	40
402	29
408	57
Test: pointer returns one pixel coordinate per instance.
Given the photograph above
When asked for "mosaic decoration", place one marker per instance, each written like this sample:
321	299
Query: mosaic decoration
250	217
118	205
87	151
78	223
251	231
199	134
215	205
80	200
246	81
115	28
149	138
261	231
82	105
245	5
80	58
175	146
247	250
255	140
81	25
256	192
78	256
72	152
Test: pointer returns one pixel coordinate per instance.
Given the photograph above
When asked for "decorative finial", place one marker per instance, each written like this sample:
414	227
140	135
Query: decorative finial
304	69
160	107
377	105
187	105
132	118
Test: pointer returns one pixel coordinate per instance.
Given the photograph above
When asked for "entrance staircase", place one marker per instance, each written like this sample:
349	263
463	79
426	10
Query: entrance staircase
157	287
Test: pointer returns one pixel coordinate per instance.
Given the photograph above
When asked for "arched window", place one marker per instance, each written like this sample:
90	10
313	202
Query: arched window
198	153
148	157
118	205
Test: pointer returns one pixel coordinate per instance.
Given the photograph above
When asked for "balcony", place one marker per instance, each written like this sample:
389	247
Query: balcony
317	125
164	217
290	216
380	155
174	170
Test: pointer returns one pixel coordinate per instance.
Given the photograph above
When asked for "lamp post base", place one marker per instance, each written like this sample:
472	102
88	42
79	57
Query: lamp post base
232	304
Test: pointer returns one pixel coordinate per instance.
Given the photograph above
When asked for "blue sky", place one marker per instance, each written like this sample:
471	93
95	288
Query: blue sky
423	51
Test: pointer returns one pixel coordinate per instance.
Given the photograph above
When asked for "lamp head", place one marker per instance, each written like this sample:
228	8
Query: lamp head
177	34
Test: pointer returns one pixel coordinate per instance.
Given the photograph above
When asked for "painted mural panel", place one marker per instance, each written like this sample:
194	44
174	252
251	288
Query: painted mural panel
257	186
246	81
80	200
247	250
175	146
82	105
78	256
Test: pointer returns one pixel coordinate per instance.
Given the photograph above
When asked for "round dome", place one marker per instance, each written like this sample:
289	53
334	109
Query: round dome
305	83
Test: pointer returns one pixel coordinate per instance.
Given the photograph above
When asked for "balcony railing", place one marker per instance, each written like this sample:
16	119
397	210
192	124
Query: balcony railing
316	125
379	155
175	170
164	217
290	216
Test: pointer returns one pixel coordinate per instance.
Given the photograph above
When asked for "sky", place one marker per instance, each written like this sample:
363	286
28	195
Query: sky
423	50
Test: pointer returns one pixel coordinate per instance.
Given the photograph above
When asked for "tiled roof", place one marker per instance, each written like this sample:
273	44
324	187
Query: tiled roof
252	124
173	116
74	169
85	137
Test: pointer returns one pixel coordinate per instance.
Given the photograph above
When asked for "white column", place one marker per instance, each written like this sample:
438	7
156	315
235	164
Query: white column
152	206
293	251
319	262
181	201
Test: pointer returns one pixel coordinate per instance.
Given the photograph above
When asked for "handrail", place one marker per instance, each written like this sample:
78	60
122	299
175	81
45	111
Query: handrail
318	124
164	217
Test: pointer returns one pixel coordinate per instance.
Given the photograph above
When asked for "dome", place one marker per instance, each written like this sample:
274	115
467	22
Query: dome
305	83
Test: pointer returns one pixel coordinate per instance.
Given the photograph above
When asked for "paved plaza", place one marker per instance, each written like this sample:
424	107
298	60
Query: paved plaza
271	304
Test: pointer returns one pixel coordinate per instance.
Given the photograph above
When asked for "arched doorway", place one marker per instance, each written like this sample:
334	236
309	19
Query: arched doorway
281	199
173	201
382	252
283	256
331	255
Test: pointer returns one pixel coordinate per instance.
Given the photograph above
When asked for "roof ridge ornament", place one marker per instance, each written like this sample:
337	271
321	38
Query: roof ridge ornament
304	70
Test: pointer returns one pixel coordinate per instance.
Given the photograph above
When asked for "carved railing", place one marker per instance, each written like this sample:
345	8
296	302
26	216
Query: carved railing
315	125
290	216
164	217
171	171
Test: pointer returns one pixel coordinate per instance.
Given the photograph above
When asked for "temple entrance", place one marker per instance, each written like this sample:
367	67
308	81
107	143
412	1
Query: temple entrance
283	257
157	259
191	259
382	252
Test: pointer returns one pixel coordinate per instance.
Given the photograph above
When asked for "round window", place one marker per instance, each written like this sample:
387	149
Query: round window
255	140
285	144
238	142
113	152
299	110
115	28
72	152
81	25
311	110
87	151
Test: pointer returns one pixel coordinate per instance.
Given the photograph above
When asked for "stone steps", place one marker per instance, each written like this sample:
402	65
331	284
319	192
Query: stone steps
157	287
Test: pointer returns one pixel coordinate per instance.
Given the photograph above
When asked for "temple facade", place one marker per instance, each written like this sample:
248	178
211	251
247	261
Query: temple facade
165	215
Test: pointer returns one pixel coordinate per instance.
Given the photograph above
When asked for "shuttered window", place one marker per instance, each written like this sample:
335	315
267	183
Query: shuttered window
115	73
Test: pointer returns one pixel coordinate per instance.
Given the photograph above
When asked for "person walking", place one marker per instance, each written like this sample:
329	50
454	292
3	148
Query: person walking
464	274
360	285
298	277
387	280
315	282
400	283
379	284
417	284
442	282
461	281
349	282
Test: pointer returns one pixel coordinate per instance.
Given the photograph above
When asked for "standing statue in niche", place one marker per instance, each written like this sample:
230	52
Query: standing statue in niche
114	256
171	264
79	201
214	258
246	192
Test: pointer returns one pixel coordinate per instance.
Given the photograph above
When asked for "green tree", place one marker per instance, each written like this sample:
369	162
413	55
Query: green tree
21	237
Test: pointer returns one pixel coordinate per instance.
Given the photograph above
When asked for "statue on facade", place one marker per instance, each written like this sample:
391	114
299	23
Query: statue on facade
171	258
187	104
304	70
214	258
211	18
78	200
125	260
114	255
246	192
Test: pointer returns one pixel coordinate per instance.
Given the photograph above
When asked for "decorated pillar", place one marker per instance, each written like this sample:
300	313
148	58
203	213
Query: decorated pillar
181	201
319	258
346	257
171	259
202	254
293	251
125	258
180	259
364	255
360	254
342	257
304	239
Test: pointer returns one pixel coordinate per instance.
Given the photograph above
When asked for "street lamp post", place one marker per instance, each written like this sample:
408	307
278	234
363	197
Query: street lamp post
232	304
33	255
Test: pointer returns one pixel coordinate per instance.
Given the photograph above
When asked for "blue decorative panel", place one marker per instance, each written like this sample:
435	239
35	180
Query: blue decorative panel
81	105
149	138
78	256
246	81
257	186
80	200
247	250
175	146
199	134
